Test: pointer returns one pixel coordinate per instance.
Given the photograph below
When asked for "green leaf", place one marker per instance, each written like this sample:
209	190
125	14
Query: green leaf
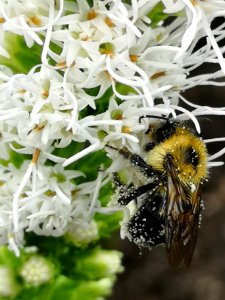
22	58
107	224
81	290
124	89
90	2
17	159
157	15
101	103
8	258
89	164
36	293
98	263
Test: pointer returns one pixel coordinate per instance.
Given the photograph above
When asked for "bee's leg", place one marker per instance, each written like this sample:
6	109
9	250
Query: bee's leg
117	181
135	161
132	192
122	189
138	162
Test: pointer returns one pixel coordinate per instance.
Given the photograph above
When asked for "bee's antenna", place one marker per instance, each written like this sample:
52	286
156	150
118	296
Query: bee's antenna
111	147
153	117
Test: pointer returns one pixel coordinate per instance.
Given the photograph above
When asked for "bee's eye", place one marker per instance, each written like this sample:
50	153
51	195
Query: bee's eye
191	156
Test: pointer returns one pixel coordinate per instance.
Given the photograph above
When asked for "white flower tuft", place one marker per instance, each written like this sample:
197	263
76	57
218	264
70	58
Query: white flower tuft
8	285
87	53
37	270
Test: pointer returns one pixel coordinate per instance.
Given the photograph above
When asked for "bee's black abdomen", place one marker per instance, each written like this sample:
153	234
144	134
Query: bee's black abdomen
146	227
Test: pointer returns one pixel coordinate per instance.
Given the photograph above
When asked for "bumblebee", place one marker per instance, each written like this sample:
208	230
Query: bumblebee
169	201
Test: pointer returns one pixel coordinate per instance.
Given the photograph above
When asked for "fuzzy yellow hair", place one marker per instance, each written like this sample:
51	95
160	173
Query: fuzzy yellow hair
176	146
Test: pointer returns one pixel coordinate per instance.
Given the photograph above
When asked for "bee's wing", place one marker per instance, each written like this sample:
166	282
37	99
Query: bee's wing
181	222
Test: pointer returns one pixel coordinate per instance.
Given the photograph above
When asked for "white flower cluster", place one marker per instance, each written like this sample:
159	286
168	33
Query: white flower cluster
110	44
37	270
48	203
8	284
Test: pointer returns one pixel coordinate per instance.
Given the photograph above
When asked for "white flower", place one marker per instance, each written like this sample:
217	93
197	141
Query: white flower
46	203
37	270
108	261
115	48
8	285
84	233
30	18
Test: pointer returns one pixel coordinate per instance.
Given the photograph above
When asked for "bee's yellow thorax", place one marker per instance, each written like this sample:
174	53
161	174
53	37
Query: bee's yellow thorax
178	146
